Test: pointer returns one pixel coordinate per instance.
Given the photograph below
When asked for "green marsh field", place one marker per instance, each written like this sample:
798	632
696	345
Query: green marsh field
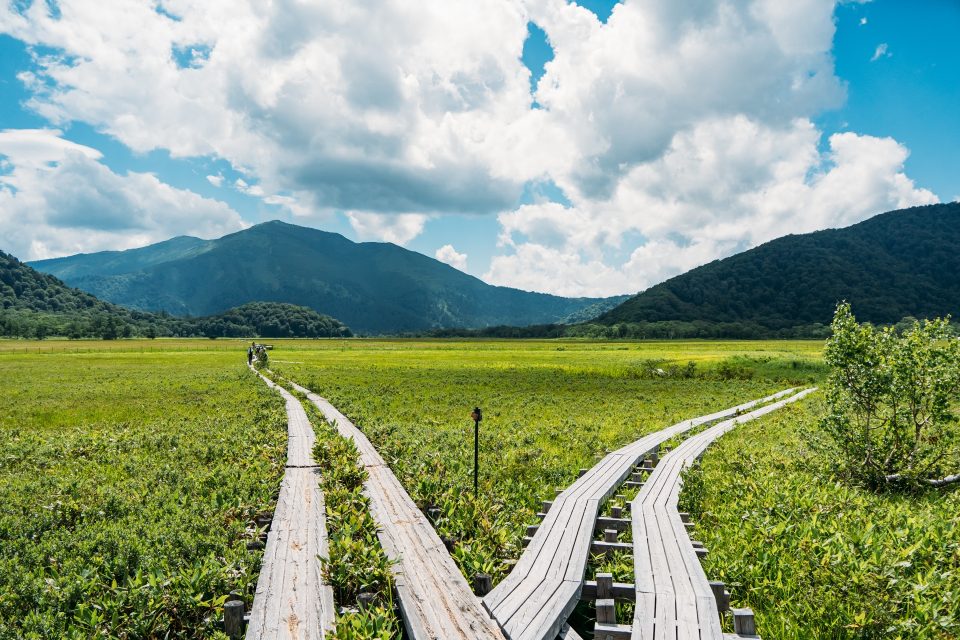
131	471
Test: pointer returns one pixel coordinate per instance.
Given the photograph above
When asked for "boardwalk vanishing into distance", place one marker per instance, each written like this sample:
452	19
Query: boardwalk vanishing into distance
436	602
291	601
536	599
674	598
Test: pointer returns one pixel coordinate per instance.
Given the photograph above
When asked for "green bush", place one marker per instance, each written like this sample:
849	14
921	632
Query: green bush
892	401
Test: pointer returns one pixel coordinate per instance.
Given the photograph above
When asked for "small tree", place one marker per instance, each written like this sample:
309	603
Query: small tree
893	401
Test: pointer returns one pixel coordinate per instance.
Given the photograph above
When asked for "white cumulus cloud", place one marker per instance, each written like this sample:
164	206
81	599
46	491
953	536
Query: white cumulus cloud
452	257
56	198
399	229
679	132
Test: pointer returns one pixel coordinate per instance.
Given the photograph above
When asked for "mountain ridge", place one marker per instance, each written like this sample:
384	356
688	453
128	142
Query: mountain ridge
373	287
896	264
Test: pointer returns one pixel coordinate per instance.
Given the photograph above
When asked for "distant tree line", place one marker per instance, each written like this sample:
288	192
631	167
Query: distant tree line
37	305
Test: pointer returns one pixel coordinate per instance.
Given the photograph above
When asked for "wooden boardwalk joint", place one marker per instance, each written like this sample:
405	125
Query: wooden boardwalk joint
291	600
435	600
535	600
674	598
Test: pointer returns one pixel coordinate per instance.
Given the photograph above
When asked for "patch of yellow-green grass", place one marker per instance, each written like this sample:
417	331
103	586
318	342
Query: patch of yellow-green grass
128	482
815	557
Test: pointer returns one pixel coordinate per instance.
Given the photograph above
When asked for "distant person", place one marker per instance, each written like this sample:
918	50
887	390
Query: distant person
249	356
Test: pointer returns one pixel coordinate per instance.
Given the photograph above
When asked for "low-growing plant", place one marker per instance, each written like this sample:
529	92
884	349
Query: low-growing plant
128	498
818	558
356	563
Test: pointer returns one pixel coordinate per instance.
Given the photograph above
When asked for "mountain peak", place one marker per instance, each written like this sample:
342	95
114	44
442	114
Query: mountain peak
896	264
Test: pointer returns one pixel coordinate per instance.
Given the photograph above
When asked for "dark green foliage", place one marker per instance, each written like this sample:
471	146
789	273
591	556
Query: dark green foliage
902	263
272	320
37	305
373	287
892	401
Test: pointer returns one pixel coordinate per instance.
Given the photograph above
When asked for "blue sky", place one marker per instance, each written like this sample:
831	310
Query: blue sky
557	156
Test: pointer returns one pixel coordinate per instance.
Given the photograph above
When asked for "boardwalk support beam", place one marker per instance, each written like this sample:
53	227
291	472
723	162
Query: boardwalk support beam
233	619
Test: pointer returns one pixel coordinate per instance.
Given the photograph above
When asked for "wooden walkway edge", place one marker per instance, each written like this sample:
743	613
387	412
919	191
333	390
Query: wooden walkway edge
674	598
535	600
291	600
435	600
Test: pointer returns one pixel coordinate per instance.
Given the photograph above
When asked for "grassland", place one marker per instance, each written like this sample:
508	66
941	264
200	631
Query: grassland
128	480
817	558
142	461
549	409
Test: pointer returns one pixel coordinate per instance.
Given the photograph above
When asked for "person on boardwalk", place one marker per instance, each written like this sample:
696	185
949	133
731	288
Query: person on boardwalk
250	355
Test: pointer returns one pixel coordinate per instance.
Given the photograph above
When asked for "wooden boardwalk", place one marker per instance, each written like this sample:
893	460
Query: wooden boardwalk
535	600
674	598
291	601
435	600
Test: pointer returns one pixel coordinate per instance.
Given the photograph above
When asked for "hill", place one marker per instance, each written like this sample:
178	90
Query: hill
272	320
894	265
36	305
373	287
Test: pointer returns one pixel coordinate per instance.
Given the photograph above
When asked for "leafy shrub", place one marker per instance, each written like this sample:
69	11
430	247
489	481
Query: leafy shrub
892	400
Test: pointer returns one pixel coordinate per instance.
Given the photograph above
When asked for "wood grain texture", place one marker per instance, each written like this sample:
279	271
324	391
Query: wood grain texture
436	601
291	600
533	602
674	597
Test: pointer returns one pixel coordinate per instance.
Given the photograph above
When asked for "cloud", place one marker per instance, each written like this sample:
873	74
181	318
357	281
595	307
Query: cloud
216	180
399	229
452	257
863	22
57	198
725	186
678	132
376	107
881	52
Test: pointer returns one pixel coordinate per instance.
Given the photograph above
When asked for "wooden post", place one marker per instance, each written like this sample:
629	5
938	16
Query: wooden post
610	535
546	505
581	473
482	584
604	585
743	622
364	600
616	511
233	618
721	595
684	517
606	611
532	529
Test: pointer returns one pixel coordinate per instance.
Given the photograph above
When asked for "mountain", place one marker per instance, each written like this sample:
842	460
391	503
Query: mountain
897	264
373	287
36	305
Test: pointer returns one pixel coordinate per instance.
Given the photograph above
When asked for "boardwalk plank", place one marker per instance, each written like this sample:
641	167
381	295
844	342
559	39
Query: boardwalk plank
291	601
545	584
435	600
682	606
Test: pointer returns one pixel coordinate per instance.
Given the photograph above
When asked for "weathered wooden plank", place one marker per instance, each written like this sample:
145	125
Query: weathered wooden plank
291	601
674	598
436	601
536	597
